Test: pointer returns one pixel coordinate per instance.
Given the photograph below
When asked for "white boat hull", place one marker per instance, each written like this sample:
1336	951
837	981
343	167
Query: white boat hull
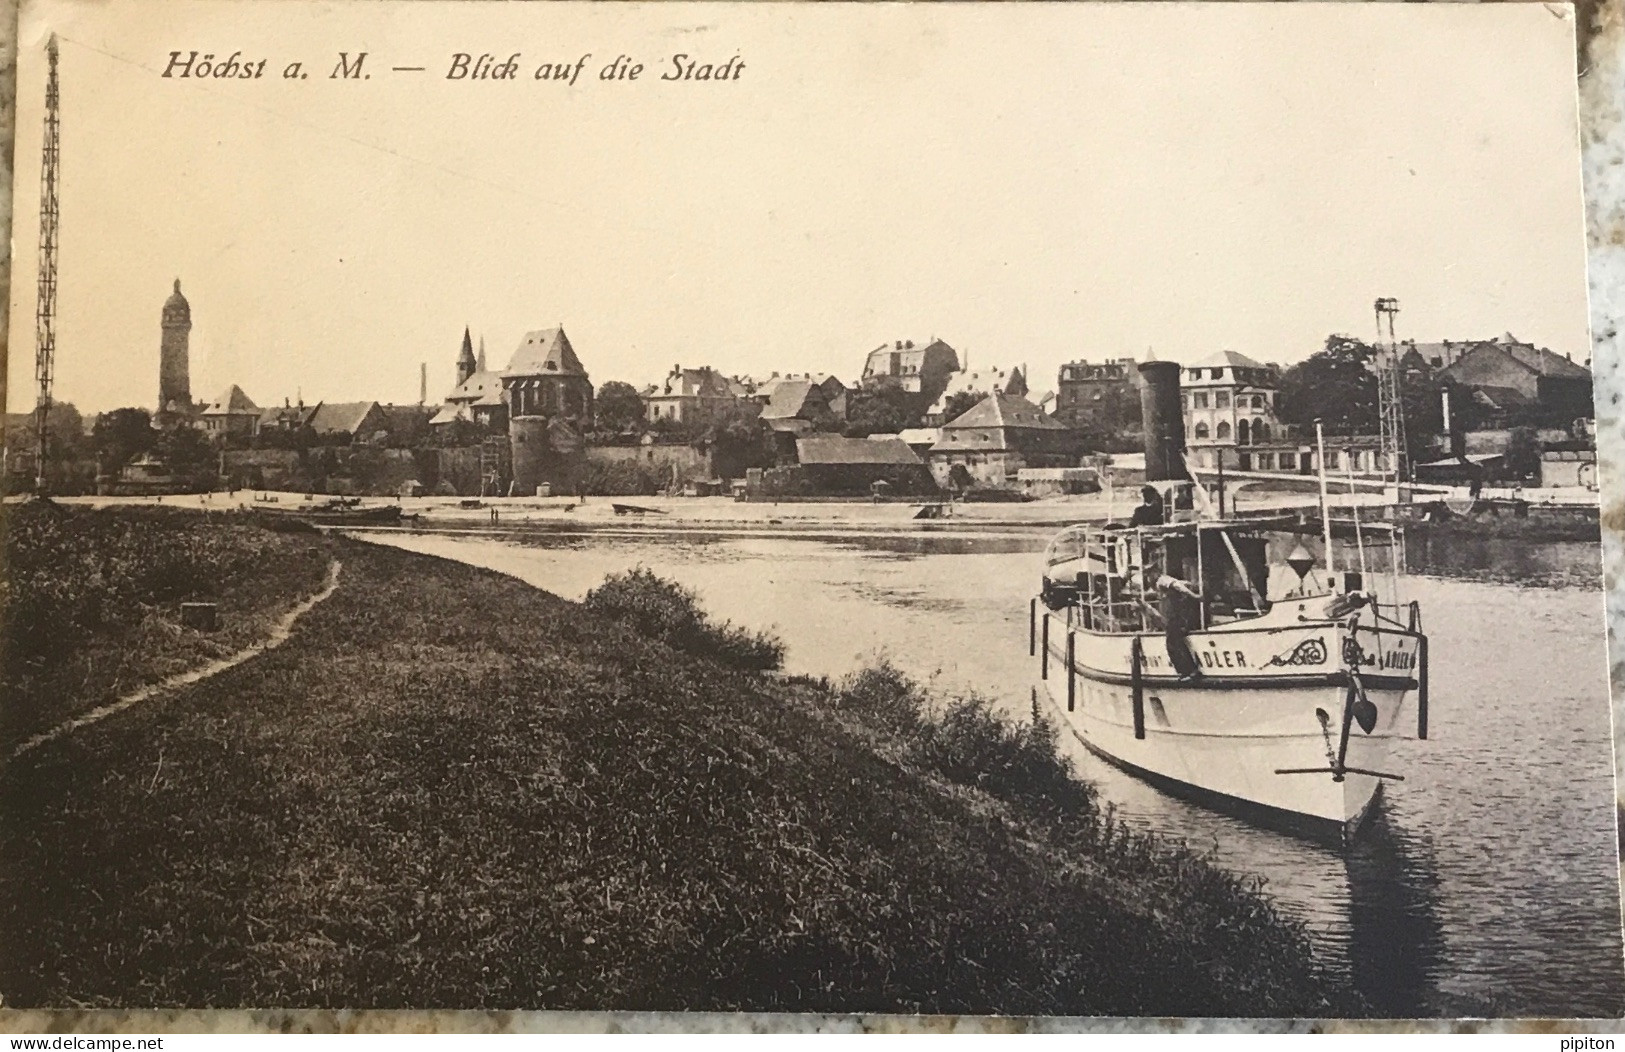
1267	701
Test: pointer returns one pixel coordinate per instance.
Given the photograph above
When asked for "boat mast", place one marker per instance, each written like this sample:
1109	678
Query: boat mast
1325	516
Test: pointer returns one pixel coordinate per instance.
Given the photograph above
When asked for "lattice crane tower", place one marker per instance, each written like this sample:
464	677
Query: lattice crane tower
45	306
1390	403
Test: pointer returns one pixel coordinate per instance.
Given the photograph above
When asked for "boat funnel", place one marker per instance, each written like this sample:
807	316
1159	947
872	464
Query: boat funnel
1164	421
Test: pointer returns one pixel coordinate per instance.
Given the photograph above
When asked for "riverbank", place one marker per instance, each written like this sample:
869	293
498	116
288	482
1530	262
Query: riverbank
450	789
1573	511
91	602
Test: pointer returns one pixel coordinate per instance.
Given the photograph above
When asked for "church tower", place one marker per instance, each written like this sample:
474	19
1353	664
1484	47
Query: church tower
465	359
174	369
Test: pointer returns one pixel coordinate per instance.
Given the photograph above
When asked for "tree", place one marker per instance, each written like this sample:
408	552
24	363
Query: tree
738	440
189	456
1523	453
618	407
1336	386
960	403
121	436
65	432
459	433
882	410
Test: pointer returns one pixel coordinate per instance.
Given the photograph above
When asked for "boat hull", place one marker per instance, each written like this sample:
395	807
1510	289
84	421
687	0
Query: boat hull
383	515
1223	738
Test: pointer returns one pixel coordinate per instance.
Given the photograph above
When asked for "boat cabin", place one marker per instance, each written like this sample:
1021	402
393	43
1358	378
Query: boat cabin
1207	573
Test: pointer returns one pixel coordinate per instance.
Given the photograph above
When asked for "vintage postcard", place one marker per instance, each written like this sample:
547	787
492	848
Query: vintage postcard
1036	509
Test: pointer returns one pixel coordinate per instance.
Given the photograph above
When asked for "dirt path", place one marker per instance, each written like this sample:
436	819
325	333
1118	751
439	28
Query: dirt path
279	635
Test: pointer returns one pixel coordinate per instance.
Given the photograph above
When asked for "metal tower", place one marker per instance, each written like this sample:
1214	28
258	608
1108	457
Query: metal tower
45	306
1390	404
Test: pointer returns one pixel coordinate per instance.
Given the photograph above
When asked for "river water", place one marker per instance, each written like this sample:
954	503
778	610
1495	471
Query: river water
1487	883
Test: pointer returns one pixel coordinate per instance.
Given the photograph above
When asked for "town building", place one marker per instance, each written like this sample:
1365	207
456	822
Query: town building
978	384
696	397
232	414
545	378
1099	396
174	361
1510	379
407	425
340	422
988	444
549	397
919	439
1568	465
837	466
922	369
1229	405
478	397
802	405
833	391
285	419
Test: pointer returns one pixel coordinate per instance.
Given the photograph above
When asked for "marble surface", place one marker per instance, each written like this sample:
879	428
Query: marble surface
1602	107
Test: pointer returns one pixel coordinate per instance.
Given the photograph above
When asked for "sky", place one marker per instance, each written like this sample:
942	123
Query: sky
1033	183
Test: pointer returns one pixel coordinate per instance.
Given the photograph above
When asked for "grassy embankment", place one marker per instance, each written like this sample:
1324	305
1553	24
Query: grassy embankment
451	789
90	601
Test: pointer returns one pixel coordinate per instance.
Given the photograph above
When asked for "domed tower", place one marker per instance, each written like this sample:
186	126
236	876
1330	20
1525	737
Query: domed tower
174	369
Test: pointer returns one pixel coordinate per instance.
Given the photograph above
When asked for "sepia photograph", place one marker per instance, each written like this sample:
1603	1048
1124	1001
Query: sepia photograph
1005	510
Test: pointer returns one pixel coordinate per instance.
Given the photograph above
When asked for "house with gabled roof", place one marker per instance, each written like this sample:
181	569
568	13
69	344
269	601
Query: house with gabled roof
838	466
976	382
996	438
286	418
354	421
922	369
695	396
231	413
1508	376
802	405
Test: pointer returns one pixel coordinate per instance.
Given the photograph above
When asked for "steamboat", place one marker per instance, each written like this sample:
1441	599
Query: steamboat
1262	665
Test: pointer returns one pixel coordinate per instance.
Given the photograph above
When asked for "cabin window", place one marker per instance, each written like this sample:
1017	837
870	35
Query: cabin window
1266	461
1241	433
1258	401
1218	374
1331	459
1199	400
1224	430
1289	462
1261	431
1201	430
1221	399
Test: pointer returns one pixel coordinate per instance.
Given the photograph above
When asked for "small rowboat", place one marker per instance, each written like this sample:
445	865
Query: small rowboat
335	514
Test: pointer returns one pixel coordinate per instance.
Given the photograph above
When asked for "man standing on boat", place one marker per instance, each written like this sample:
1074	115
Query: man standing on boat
1149	513
1181	614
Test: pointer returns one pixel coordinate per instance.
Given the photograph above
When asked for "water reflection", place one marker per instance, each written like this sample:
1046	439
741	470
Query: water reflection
1395	936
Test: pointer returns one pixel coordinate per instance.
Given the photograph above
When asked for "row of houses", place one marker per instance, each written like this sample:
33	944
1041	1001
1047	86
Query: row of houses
235	415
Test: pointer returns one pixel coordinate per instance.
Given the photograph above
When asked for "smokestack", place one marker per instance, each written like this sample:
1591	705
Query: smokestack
1164	420
423	383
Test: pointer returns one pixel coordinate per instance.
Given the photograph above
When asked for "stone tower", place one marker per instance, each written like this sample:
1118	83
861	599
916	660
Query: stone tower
465	359
174	369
